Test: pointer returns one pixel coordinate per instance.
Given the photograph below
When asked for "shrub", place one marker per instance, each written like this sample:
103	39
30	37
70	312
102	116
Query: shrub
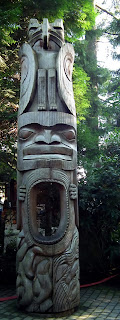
99	208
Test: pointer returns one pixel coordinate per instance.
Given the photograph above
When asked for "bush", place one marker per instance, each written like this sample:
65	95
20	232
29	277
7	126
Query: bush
99	208
8	264
2	228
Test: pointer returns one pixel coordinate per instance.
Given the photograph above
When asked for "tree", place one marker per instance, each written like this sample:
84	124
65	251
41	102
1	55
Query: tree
100	211
104	89
88	129
111	31
8	87
99	190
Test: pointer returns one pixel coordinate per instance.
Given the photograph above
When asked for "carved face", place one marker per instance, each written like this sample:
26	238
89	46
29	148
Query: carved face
47	35
42	142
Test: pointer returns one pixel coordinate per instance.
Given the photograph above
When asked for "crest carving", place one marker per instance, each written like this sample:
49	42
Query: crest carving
65	62
28	76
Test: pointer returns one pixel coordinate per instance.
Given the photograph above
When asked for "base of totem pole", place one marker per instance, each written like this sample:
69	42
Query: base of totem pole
56	315
50	315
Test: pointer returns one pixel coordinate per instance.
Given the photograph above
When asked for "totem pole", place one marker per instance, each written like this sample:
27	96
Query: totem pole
48	253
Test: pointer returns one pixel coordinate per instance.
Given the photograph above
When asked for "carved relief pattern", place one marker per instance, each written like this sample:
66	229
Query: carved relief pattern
66	275
28	75
42	89
52	88
47	89
34	277
65	61
47	257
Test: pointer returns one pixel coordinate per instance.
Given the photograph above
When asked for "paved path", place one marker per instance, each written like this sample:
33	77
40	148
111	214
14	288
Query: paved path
97	302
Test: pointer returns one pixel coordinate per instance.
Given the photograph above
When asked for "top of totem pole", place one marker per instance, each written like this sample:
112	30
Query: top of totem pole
46	70
46	32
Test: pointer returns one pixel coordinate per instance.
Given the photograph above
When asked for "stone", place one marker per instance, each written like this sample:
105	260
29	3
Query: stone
47	215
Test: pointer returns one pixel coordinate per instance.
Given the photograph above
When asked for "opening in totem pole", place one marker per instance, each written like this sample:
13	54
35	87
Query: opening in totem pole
48	242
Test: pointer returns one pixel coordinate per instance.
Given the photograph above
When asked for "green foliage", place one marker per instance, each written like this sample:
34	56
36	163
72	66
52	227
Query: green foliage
80	18
99	154
113	32
81	92
88	131
109	110
9	17
9	23
77	15
9	84
110	105
100	210
87	142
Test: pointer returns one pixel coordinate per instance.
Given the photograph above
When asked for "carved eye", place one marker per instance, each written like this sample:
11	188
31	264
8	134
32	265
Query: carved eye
25	133
69	134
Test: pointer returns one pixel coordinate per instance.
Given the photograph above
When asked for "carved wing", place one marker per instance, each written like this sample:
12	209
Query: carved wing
64	66
28	76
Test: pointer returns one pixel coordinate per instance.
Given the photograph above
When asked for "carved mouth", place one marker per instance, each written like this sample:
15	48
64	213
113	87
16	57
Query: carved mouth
35	151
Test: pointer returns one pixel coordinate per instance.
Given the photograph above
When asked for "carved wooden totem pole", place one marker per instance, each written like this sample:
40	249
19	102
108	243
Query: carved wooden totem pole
48	254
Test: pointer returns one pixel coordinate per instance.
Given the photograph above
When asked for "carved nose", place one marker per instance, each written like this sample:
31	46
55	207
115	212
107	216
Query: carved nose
47	138
55	139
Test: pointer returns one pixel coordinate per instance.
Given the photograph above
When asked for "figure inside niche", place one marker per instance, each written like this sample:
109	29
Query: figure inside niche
48	208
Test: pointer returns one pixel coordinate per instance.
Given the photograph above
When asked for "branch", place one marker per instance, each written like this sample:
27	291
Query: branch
112	34
104	10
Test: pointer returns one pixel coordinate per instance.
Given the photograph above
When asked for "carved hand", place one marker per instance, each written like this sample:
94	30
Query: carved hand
22	193
73	191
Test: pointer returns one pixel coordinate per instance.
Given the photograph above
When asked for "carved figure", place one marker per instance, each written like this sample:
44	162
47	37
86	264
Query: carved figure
47	257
